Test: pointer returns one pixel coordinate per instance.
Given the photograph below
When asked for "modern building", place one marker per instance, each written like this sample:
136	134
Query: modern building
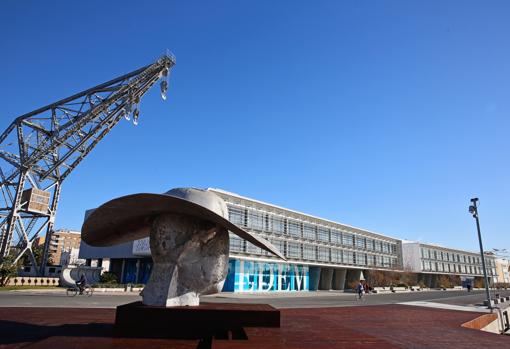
433	261
321	254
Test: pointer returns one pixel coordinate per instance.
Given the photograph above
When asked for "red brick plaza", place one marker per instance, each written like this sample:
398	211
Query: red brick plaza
384	326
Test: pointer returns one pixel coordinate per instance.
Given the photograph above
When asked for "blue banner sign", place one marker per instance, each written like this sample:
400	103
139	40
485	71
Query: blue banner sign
250	276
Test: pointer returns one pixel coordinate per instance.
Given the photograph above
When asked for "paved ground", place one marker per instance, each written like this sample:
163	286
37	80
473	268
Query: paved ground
38	298
383	326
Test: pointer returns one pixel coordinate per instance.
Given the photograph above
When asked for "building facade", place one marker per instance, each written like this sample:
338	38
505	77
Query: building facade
503	271
432	261
321	254
62	243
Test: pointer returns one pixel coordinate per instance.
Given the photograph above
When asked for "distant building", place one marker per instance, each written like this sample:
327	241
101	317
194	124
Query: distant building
62	242
39	241
502	269
431	260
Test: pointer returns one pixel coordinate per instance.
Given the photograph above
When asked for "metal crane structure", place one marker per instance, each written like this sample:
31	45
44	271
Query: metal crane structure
41	148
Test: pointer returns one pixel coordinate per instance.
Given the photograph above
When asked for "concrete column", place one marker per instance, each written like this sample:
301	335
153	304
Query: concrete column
326	281
314	277
122	271
137	270
339	279
106	264
434	281
353	275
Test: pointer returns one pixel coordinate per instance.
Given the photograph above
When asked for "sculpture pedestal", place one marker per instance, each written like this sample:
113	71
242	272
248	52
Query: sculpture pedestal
218	320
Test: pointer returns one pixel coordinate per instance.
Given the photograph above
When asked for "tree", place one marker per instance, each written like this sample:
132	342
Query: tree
38	254
8	269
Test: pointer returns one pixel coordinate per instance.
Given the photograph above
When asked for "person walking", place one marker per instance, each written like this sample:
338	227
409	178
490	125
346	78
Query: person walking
360	289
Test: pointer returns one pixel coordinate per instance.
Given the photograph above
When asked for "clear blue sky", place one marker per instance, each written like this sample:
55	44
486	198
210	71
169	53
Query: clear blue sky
386	115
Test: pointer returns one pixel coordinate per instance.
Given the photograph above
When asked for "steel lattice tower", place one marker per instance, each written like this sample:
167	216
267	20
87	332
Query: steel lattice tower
40	149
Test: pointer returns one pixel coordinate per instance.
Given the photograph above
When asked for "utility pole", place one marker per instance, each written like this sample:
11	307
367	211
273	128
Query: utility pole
473	209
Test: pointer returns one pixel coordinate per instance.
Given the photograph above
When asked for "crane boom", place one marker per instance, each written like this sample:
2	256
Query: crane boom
41	148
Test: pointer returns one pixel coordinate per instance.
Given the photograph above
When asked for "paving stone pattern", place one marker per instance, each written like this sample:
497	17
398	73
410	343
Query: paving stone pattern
384	326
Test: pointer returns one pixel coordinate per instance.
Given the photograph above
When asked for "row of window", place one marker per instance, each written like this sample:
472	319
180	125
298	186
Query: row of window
453	257
297	250
269	223
454	268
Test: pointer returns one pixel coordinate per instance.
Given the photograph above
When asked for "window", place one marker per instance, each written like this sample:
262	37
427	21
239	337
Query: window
347	239
336	237
323	234
294	229
236	243
309	232
348	257
250	248
361	258
279	244
255	220
293	249
236	215
360	242
277	224
323	253
336	255
371	260
309	252
370	244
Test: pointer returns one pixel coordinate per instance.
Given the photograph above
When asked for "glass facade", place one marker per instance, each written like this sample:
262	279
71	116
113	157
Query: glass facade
307	239
252	276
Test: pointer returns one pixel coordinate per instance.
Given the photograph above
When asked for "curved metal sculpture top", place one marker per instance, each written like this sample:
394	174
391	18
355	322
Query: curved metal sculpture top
189	242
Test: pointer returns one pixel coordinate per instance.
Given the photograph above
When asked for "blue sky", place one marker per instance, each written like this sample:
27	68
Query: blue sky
386	115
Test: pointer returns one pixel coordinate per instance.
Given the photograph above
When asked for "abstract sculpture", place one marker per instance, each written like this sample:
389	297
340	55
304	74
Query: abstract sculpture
189	240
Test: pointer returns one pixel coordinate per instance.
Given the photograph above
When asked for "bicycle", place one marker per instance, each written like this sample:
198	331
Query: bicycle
73	291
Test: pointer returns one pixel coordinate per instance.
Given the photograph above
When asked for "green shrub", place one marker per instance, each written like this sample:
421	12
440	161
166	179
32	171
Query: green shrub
108	278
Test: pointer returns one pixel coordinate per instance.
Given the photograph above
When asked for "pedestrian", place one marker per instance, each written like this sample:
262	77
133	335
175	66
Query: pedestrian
360	288
468	286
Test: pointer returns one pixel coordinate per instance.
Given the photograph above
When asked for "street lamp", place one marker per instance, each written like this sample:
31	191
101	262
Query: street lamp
473	209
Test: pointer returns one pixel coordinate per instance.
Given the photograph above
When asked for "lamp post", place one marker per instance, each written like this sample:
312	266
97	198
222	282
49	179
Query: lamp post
473	209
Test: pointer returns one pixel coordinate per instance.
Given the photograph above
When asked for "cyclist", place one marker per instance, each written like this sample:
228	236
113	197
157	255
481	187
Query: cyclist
81	283
360	289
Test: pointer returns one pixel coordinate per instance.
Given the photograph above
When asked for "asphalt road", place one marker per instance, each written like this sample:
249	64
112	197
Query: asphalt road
58	298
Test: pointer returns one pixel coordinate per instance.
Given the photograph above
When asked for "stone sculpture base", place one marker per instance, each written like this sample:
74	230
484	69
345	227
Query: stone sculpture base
218	320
